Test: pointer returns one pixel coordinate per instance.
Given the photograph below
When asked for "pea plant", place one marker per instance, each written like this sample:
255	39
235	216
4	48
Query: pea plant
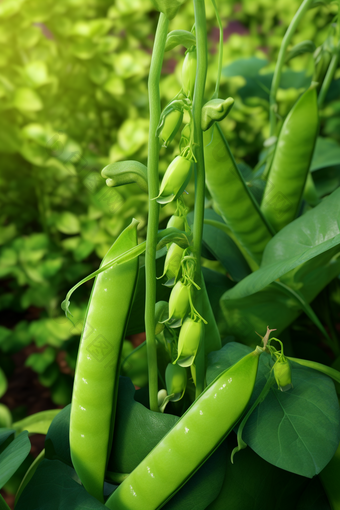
168	425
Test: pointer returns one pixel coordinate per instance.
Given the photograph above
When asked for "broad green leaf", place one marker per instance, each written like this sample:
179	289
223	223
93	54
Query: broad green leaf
57	486
309	236
179	37
327	153
126	172
251	483
67	223
27	100
297	430
36	423
13	456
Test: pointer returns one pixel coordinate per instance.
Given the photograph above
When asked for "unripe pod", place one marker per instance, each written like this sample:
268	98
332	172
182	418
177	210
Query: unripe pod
176	381
189	340
176	222
172	123
283	375
189	73
172	262
175	179
179	302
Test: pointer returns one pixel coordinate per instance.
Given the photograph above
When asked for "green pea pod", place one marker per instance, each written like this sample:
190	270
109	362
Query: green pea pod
232	197
96	377
189	340
172	263
179	302
283	374
215	111
191	441
176	381
175	179
291	162
172	123
126	172
189	72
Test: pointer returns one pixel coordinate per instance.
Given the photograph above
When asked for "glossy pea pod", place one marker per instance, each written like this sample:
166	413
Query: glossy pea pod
191	441
97	370
175	179
232	197
291	162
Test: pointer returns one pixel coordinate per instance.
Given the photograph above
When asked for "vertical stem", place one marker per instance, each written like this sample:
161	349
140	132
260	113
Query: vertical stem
153	182
201	73
220	53
328	79
280	62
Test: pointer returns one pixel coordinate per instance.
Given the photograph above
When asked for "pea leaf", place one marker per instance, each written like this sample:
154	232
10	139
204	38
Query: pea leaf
13	456
58	484
306	238
37	423
298	430
327	153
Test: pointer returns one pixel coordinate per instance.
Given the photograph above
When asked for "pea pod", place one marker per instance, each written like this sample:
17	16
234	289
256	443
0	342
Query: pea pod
191	441
291	162
179	302
175	179
283	374
233	199
172	123
176	381
189	72
96	377
188	342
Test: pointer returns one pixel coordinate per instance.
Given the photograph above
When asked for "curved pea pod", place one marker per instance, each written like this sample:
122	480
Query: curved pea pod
189	340
215	111
96	377
179	303
189	72
283	375
175	179
191	441
176	381
172	123
126	172
232	197
291	162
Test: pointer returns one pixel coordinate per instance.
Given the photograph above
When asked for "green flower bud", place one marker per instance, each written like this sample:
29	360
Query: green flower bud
283	374
189	340
176	381
172	123
176	222
189	73
175	179
215	110
179	302
172	262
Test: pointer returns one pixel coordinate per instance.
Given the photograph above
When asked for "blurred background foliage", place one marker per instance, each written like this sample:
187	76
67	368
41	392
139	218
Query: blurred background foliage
73	98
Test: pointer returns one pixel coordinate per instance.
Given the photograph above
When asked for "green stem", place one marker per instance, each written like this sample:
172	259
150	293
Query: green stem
201	73
153	182
220	53
281	60
328	79
324	369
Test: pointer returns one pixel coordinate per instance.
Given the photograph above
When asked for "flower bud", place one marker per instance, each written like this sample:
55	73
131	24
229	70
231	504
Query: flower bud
176	222
172	123
176	381
172	262
283	375
188	342
189	73
179	302
175	179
